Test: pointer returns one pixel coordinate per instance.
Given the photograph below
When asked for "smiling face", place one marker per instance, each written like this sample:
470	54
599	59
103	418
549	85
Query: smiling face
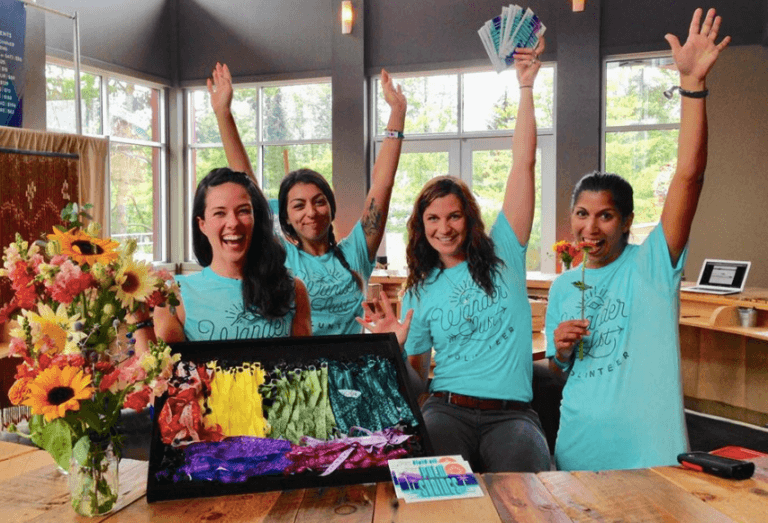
445	227
228	225
596	220
309	213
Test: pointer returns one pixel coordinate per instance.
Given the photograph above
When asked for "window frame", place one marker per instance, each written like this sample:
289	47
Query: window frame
188	263
160	208
642	127
461	144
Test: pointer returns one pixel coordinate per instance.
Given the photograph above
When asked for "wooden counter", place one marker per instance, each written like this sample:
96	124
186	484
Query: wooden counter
39	493
725	365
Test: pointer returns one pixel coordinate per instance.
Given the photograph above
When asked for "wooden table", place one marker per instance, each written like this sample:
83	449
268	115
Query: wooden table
37	492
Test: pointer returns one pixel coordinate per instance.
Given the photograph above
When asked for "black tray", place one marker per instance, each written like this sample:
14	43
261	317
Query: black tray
271	351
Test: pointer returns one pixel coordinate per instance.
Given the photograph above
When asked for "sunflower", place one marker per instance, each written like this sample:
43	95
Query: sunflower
57	390
133	283
54	331
84	248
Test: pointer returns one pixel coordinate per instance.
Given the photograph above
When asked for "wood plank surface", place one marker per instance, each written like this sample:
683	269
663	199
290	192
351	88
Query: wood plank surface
469	510
350	504
42	495
10	450
260	507
523	498
23	463
742	500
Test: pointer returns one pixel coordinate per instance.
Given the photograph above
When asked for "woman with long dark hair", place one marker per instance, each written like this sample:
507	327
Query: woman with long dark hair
622	404
244	289
466	298
334	271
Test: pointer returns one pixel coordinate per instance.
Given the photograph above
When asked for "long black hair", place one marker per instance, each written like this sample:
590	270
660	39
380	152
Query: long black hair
620	189
268	288
308	176
478	246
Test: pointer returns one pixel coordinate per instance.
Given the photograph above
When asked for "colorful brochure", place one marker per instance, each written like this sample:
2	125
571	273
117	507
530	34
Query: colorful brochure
434	478
515	27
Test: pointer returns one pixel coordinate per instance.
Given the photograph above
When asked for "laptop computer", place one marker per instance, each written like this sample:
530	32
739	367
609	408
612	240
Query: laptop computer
721	277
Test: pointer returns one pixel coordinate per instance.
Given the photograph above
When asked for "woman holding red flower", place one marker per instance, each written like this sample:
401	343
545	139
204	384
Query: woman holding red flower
622	403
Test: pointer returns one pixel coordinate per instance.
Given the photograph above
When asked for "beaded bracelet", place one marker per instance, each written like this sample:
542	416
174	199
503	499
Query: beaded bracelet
142	324
394	134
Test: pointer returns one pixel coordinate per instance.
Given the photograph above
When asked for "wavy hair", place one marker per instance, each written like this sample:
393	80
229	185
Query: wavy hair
268	288
621	191
308	176
422	258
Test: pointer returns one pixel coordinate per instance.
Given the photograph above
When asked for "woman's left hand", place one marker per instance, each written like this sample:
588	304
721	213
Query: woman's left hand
697	56
393	94
381	319
527	63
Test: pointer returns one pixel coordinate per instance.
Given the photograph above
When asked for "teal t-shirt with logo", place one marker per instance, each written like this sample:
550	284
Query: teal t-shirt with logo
334	296
483	343
213	307
622	404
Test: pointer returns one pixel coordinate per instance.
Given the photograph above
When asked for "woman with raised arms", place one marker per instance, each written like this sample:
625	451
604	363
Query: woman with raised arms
334	271
622	403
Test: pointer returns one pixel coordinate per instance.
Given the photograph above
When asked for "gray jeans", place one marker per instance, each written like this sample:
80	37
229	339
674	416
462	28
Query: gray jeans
490	440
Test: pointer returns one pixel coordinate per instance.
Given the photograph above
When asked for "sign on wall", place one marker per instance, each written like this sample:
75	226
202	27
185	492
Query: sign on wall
13	24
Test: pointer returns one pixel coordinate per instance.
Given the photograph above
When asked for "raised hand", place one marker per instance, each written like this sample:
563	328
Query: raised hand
220	88
527	63
381	319
393	95
697	56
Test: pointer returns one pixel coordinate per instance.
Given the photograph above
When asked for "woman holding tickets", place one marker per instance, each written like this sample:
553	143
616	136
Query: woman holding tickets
244	289
622	403
467	292
334	272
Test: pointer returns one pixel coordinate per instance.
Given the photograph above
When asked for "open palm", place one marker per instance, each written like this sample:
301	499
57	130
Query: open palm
697	56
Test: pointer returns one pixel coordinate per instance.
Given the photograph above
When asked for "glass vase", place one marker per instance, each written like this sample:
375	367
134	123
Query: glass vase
93	484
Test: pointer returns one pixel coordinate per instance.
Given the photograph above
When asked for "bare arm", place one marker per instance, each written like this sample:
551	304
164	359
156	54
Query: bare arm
168	326
694	60
376	207
302	320
520	195
220	89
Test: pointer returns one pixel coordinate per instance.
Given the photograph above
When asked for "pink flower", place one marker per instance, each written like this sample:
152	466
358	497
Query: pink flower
69	283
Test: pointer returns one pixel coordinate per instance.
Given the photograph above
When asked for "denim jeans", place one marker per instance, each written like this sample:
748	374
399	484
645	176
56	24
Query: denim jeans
490	440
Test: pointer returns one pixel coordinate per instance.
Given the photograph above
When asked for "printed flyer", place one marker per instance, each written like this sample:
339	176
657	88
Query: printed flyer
434	478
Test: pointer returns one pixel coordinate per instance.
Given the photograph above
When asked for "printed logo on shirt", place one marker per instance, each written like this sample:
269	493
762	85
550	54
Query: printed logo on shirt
472	316
331	292
607	317
243	324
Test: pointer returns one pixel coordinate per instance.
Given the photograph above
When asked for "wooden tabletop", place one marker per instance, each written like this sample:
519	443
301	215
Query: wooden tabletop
35	491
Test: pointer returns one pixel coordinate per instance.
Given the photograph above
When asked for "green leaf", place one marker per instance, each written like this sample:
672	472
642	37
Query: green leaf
81	449
57	441
581	286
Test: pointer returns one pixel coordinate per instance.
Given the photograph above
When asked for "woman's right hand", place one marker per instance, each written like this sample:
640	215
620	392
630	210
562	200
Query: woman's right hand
381	319
527	63
567	335
220	89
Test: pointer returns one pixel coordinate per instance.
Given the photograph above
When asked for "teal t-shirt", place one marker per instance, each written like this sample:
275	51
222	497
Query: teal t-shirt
214	310
483	344
622	404
334	297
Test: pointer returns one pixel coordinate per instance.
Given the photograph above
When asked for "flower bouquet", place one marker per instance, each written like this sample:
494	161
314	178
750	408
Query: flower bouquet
565	252
72	296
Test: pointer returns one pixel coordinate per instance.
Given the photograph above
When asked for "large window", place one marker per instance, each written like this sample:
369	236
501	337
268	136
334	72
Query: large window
461	123
283	127
640	132
131	114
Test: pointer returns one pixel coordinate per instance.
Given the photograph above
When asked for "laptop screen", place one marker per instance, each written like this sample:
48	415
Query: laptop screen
723	273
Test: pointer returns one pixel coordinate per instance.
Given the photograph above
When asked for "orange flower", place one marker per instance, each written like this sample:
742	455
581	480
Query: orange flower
84	248
55	391
18	391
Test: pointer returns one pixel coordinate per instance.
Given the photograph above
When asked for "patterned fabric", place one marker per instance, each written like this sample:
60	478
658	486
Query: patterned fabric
364	393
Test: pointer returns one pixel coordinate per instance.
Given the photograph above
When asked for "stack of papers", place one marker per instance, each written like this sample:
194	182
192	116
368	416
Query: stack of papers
429	479
515	27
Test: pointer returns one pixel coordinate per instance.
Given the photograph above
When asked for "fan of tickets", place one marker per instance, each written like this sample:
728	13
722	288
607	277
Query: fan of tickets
515	27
